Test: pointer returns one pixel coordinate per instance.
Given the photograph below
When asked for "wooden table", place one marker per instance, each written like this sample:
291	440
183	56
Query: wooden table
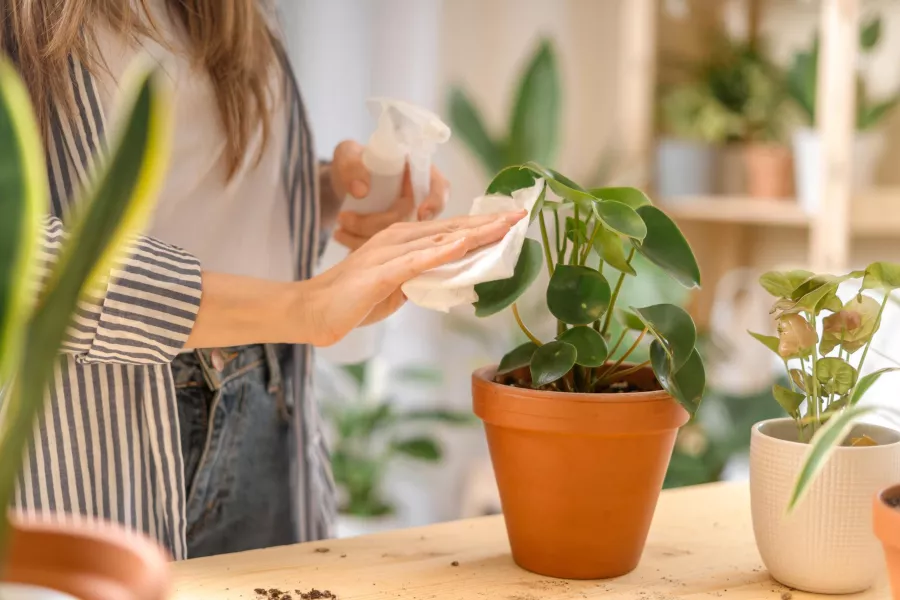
701	546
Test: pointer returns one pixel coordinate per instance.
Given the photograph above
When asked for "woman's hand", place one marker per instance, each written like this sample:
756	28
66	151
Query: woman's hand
350	176
365	287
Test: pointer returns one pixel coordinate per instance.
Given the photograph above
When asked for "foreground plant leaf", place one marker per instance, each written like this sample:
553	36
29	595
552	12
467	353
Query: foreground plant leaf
666	247
591	347
534	125
511	179
517	358
836	375
867	381
621	218
674	328
494	296
789	400
686	385
551	361
883	276
469	127
782	284
577	295
633	197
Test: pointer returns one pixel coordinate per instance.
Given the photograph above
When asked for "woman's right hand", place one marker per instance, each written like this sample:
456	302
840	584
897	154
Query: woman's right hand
365	287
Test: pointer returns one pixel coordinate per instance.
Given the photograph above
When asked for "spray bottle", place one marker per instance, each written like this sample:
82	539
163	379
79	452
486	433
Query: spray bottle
405	134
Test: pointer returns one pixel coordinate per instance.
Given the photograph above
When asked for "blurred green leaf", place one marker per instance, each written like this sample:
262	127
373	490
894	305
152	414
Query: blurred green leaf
882	276
419	448
494	296
867	381
666	247
782	284
870	34
551	361
468	125
535	120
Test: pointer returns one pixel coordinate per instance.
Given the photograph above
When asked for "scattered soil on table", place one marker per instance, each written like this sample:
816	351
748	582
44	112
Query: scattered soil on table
315	594
323	550
786	596
343	556
893	502
455	563
276	594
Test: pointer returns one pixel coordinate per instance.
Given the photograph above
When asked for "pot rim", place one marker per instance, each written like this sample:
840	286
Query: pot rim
886	519
755	430
485	375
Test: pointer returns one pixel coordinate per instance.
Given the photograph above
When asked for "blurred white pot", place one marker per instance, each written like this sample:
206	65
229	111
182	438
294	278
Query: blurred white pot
684	168
18	591
826	545
867	150
352	526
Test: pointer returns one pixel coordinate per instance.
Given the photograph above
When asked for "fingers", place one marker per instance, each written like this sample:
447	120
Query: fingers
367	225
398	271
407	232
349	174
386	308
474	238
436	201
348	240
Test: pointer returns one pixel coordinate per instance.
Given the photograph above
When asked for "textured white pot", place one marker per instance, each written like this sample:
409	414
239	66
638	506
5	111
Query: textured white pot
18	591
826	545
867	150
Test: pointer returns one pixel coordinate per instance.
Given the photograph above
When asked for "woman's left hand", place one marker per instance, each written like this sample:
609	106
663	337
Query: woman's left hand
350	176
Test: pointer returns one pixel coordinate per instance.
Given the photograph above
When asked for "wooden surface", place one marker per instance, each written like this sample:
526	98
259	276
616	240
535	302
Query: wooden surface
701	546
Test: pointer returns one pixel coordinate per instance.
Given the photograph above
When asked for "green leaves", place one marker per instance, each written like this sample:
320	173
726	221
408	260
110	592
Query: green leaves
882	276
782	284
469	127
687	384
673	327
836	375
419	448
769	341
551	361
609	246
511	179
494	296
867	381
577	295
517	358
666	247
789	400
23	202
534	125
589	344
621	218
870	34
629	196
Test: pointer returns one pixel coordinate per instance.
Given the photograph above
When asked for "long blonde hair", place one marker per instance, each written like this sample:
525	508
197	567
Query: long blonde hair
229	38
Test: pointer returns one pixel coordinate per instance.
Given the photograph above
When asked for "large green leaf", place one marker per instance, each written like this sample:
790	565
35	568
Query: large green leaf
687	384
673	327
517	358
633	197
511	179
621	218
666	247
468	126
535	123
419	448
591	347
789	400
23	202
782	284
577	295
769	341
609	246
551	361
117	207
867	381
883	276
579	198
494	296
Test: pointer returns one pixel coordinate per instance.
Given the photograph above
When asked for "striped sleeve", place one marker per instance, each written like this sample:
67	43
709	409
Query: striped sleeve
146	307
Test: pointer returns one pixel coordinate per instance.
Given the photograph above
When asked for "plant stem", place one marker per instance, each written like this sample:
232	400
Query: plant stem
576	243
862	360
618	342
794	386
546	242
590	244
615	295
616	376
559	248
525	330
622	358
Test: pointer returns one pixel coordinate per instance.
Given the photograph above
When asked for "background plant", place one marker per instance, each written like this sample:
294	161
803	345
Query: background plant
824	342
802	81
115	206
370	433
608	227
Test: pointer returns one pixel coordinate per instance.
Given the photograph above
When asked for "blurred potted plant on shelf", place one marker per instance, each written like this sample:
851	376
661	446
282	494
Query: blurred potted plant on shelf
802	82
43	560
579	442
369	433
813	475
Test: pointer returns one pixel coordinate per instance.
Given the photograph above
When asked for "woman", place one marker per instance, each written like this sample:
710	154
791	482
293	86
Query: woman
201	459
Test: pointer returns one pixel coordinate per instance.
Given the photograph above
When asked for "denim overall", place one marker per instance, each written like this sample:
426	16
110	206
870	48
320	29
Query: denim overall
237	443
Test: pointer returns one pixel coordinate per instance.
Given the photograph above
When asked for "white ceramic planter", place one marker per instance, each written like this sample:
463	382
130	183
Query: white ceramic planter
826	545
17	591
352	526
867	150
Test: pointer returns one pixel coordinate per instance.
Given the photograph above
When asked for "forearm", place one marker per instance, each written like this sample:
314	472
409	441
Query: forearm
329	201
238	310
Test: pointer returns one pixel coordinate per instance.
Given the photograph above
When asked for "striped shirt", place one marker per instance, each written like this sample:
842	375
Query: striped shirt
108	443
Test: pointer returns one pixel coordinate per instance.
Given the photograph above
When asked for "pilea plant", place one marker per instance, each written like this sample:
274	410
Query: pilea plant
824	342
596	234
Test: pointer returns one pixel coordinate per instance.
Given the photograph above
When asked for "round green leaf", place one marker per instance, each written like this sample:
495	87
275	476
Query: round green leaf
591	347
673	327
577	295
511	179
633	197
665	246
836	375
517	358
551	361
883	276
687	384
609	246
782	284
789	400
494	296
621	218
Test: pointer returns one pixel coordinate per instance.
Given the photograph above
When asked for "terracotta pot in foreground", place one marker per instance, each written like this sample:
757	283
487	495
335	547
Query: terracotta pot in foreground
886	518
579	474
89	562
769	171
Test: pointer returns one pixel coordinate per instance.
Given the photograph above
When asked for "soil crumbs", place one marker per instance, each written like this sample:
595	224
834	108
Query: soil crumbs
276	594
893	502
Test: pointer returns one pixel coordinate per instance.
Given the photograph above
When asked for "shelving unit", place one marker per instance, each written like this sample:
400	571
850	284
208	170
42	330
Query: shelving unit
728	231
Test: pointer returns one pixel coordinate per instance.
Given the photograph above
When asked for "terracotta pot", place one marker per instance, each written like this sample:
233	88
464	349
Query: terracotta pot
579	474
886	521
825	545
769	171
102	562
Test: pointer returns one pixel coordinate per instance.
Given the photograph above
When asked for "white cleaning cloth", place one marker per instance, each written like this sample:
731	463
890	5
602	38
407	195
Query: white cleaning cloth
454	283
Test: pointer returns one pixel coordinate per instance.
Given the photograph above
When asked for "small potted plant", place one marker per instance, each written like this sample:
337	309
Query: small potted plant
813	475
369	434
802	83
580	437
44	561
